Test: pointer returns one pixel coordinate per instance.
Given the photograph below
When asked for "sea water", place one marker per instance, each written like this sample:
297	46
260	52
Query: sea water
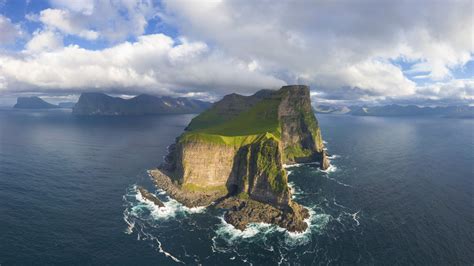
399	191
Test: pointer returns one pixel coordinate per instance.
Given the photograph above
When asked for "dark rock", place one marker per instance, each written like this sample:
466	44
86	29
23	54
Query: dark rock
148	196
241	212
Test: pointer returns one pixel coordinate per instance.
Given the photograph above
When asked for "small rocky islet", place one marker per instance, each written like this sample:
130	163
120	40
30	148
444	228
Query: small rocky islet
232	157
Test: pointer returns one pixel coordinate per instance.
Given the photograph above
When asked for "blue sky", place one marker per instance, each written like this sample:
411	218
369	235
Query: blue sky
370	52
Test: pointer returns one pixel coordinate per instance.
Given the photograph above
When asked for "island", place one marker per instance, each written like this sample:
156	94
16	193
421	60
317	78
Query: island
33	103
233	156
100	104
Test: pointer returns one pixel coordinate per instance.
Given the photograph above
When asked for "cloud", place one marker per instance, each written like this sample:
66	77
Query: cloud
44	41
336	44
154	64
10	32
112	20
64	21
458	89
365	51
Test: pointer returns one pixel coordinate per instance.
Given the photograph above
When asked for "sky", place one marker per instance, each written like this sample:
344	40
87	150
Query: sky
348	52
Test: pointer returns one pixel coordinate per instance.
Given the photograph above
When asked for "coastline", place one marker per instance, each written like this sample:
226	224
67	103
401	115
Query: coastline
240	212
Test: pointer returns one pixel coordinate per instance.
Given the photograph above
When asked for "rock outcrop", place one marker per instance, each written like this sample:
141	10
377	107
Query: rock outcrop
150	197
235	151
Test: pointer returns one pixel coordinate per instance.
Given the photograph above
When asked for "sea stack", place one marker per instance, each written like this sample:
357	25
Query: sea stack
234	154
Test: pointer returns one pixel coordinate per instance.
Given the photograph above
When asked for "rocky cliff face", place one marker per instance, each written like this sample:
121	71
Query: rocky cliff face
238	148
301	136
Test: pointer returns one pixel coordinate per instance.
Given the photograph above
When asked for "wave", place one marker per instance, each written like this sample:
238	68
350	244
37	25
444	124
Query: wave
295	191
331	169
141	216
337	204
317	223
138	206
139	210
354	217
229	233
337	181
130	222
144	236
298	164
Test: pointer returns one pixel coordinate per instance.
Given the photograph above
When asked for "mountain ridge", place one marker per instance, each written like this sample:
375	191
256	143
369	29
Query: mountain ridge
100	104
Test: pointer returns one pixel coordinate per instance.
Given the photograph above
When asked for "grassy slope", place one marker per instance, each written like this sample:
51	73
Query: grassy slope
257	123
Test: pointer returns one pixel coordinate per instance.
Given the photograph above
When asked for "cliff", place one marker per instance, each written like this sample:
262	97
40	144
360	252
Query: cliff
102	104
33	103
236	151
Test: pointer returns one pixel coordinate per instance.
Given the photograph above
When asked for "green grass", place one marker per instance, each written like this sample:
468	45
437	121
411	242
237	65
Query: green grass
293	152
267	163
235	141
261	118
258	123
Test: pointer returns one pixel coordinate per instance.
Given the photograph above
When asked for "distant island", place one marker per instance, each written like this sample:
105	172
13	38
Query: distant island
233	156
33	103
399	110
100	104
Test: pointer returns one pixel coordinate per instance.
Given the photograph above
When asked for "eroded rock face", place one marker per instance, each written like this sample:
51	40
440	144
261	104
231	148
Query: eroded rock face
204	164
188	198
258	173
300	133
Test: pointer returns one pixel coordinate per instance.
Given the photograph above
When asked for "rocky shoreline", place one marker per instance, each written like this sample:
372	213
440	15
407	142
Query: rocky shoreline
187	198
240	211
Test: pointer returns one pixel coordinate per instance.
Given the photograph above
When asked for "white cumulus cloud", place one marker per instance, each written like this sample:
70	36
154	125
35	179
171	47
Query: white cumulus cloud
9	32
154	64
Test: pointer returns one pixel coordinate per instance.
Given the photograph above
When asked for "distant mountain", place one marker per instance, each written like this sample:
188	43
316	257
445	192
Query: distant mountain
398	110
66	104
413	110
328	109
33	103
102	104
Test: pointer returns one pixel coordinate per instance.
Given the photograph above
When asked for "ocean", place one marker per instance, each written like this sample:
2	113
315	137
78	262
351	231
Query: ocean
399	191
